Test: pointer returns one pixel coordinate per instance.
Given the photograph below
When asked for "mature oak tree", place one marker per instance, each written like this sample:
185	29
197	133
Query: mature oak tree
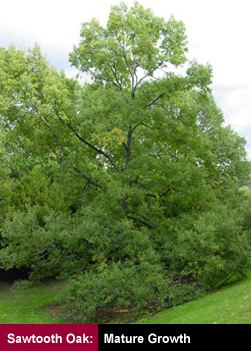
132	178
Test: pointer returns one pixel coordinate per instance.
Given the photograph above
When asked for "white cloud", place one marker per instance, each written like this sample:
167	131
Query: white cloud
248	149
237	105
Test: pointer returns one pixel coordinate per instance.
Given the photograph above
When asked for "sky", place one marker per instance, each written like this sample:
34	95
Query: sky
218	32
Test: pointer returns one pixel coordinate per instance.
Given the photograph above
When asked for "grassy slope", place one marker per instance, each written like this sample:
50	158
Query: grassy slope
229	305
29	306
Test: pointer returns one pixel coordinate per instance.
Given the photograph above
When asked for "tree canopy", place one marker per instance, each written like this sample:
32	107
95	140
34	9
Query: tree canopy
130	183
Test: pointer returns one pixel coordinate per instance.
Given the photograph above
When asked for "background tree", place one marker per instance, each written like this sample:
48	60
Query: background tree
5	181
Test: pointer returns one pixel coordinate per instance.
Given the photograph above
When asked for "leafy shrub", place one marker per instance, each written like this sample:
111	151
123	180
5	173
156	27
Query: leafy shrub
53	250
212	246
22	284
115	287
124	287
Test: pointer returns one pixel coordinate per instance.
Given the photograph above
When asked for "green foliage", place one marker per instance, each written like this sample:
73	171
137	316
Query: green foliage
133	173
107	290
116	286
212	246
229	305
5	182
50	249
133	38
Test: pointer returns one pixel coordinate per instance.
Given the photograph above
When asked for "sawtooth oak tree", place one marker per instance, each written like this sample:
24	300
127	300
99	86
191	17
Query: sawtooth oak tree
130	183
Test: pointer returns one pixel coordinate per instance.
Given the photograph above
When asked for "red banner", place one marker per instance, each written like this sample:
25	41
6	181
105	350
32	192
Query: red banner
49	337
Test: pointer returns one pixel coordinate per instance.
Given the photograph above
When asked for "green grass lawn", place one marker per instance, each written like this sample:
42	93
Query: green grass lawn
30	306
41	305
230	305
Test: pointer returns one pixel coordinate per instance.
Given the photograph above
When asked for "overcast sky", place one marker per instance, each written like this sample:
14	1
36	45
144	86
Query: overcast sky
218	32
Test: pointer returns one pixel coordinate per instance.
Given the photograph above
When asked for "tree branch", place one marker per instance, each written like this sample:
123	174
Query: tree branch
95	148
118	83
89	180
156	99
128	147
140	221
147	75
148	222
48	125
159	195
